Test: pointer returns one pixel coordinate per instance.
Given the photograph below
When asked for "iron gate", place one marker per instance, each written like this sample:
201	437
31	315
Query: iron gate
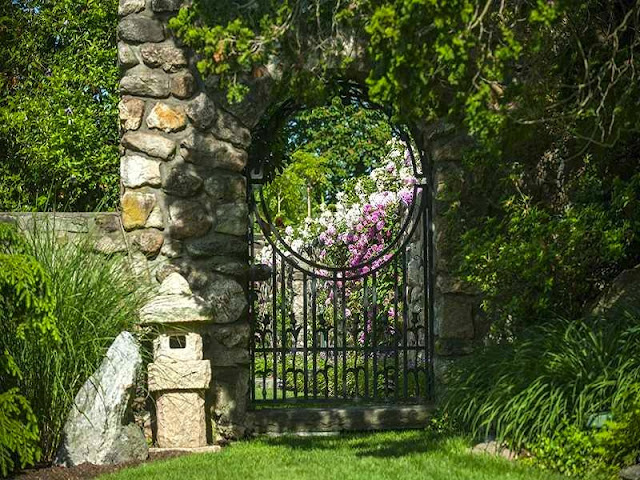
310	344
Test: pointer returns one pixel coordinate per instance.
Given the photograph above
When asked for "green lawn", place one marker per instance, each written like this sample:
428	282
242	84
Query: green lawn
387	455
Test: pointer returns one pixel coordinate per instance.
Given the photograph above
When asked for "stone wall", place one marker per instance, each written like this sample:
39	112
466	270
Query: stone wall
183	190
184	151
184	221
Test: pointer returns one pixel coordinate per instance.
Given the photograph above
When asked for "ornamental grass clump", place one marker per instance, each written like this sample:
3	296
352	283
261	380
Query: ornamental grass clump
562	375
96	297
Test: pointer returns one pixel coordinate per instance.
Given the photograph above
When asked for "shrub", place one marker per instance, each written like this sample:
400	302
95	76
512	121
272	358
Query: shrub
26	314
555	375
58	104
96	297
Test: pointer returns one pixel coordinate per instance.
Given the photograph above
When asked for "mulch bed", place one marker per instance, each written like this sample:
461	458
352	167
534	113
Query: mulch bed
86	470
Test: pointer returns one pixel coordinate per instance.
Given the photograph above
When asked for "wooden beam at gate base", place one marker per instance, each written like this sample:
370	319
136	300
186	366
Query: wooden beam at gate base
340	419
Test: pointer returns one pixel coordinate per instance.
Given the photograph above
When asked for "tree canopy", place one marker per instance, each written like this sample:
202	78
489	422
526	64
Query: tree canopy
58	105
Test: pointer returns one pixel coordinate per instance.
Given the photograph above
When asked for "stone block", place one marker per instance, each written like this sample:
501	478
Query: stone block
233	218
166	5
177	346
108	222
137	171
110	245
126	56
127	7
206	149
232	336
189	219
131	111
180	180
139	29
179	375
230	388
183	85
227	128
167	118
218	244
174	284
136	208
201	111
226	188
155	219
149	242
146	84
226	298
169	57
168	309
456	317
181	420
152	144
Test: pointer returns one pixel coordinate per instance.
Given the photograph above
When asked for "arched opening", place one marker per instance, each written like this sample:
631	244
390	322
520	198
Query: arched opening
340	229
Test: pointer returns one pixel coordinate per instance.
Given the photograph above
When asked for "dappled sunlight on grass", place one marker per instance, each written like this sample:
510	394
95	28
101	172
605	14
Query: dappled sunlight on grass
384	455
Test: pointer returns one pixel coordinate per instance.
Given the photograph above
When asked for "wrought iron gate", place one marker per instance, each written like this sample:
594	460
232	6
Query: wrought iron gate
320	333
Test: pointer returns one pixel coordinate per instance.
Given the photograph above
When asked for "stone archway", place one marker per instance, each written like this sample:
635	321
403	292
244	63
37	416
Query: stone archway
184	151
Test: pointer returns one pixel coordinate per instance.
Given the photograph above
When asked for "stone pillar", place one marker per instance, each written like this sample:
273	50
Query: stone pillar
457	324
184	210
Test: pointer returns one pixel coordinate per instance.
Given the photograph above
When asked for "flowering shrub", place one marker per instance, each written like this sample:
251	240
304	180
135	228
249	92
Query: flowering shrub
359	295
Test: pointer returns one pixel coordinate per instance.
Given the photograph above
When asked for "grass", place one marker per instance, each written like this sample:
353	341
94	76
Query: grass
384	455
96	297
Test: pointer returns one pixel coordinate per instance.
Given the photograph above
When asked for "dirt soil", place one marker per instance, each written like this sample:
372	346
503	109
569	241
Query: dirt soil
86	470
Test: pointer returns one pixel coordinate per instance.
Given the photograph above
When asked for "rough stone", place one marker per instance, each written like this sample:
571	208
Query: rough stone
126	7
494	448
126	56
183	85
226	298
456	317
191	346
181	420
131	112
189	219
179	375
624	292
149	242
152	144
137	171
174	284
228	357
232	336
166	269
166	5
136	208
180	181
146	84
630	473
232	218
109	245
155	219
93	432
208	150
230	393
169	57
217	244
201	111
139	29
108	222
167	118
229	129
171	248
166	309
226	188
131	445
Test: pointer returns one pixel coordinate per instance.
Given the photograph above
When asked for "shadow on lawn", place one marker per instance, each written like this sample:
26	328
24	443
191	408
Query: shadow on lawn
385	445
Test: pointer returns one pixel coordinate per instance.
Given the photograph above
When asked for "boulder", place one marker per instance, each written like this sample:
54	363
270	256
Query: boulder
95	431
630	473
623	292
